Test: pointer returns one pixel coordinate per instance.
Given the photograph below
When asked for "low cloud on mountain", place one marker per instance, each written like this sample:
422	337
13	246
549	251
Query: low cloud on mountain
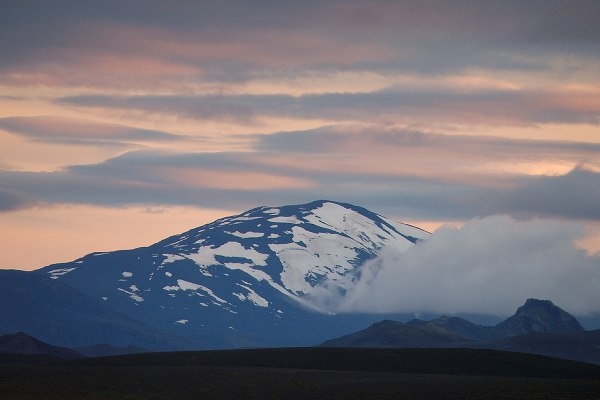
490	265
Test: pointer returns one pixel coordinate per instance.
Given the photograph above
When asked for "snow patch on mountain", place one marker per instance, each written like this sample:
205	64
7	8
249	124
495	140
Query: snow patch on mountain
252	296
206	255
132	295
195	289
57	273
245	235
285	220
171	258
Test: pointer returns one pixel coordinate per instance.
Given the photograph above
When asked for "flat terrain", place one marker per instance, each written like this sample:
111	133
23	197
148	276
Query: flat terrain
308	373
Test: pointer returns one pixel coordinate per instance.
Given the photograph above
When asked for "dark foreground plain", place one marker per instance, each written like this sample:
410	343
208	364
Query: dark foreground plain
306	373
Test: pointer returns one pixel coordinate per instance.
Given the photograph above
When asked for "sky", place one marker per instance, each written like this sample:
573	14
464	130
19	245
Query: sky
124	122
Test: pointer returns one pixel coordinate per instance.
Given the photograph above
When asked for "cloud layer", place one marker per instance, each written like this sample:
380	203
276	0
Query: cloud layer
237	40
79	131
489	266
507	107
399	173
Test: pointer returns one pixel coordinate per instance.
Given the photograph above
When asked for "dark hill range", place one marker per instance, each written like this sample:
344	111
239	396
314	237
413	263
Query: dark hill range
102	350
303	373
20	346
537	327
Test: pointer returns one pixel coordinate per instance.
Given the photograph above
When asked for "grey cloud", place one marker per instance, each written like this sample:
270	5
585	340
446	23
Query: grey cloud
411	188
139	178
574	195
489	266
340	138
11	200
79	131
136	177
155	178
144	177
177	15
497	107
219	107
550	25
432	37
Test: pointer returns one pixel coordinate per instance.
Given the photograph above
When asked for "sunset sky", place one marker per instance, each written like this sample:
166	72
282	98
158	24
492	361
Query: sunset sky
124	122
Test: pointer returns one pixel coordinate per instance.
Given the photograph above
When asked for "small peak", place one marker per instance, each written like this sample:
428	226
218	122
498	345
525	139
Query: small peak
539	316
533	305
18	336
322	202
537	302
384	323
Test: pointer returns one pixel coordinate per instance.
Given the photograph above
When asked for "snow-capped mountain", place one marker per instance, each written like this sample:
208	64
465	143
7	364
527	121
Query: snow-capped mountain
250	279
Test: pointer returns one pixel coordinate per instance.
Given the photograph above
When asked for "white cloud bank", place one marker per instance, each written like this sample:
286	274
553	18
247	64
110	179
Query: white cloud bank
490	265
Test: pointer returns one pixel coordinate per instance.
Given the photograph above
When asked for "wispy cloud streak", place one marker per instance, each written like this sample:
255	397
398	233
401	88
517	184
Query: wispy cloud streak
488	107
78	131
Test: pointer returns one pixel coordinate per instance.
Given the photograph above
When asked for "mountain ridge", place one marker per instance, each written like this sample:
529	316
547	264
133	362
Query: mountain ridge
535	316
537	327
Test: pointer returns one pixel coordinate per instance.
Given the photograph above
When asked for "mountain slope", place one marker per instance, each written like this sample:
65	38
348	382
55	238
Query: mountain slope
56	313
270	264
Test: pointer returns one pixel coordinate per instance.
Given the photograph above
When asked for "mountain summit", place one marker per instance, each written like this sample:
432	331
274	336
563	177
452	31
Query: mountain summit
269	264
539	316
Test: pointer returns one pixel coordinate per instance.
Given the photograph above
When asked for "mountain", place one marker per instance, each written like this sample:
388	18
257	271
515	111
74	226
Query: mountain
539	316
252	279
22	343
537	327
